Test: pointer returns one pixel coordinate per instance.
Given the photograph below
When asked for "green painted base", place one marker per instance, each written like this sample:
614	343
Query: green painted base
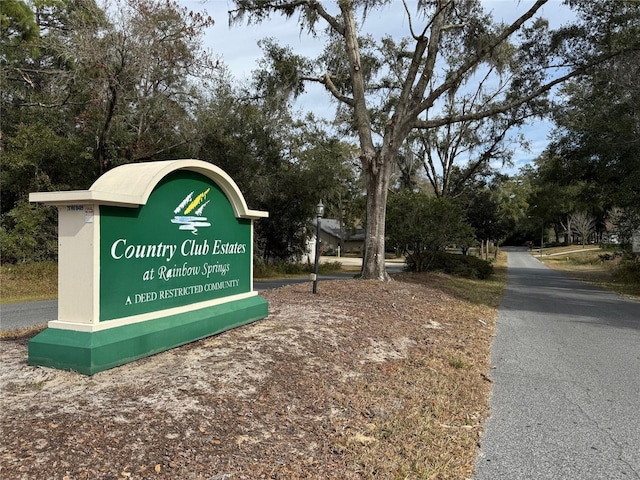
93	352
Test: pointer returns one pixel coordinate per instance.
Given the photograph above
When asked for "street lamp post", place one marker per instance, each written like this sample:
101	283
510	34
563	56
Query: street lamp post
319	213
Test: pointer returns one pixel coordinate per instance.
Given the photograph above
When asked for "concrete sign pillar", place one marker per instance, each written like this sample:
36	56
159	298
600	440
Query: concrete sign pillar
152	256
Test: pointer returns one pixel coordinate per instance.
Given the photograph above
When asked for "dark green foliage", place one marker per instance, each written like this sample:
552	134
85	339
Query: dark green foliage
83	90
28	234
420	226
283	236
461	265
595	155
282	166
39	158
17	21
486	212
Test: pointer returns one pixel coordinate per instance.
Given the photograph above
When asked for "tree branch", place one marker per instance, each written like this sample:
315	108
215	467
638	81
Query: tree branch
330	86
500	108
317	6
286	7
472	62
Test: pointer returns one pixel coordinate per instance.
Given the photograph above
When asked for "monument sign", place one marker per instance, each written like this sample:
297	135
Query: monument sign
152	256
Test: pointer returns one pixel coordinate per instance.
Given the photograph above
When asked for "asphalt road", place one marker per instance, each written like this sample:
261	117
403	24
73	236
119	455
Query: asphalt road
566	394
17	315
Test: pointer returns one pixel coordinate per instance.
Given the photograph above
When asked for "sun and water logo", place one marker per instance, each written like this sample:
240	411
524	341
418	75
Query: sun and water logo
189	205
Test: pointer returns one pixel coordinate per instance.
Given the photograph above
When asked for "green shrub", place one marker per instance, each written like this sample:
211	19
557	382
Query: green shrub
419	226
262	269
461	265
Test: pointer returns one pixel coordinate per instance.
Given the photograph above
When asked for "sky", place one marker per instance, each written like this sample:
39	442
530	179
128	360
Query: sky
238	49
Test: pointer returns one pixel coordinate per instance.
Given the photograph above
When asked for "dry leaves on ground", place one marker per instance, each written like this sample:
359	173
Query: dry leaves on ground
362	380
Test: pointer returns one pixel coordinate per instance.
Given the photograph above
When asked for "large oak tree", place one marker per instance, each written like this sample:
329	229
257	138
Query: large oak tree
453	52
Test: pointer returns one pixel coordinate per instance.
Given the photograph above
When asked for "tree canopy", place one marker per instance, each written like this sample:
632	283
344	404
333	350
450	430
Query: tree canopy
454	54
592	165
85	89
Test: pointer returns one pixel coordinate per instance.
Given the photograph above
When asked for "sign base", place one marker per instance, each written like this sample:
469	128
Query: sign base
93	352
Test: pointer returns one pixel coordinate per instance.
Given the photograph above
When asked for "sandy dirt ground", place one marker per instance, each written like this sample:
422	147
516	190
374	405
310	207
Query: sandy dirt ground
318	389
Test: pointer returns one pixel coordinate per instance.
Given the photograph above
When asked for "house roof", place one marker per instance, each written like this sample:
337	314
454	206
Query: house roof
332	227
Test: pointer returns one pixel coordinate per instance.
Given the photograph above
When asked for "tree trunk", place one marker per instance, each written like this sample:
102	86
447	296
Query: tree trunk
376	165
378	173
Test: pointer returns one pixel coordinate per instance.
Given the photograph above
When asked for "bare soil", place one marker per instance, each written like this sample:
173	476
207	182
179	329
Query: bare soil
362	380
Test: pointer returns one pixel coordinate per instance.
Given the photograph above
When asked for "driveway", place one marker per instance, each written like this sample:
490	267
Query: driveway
566	393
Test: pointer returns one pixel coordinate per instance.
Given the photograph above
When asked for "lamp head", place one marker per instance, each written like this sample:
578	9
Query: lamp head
320	209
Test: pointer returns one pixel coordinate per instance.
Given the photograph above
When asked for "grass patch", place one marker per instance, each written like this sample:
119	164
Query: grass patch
477	292
283	270
25	282
567	249
588	266
22	333
457	363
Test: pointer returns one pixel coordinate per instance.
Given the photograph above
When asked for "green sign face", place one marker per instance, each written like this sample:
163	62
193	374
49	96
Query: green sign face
184	246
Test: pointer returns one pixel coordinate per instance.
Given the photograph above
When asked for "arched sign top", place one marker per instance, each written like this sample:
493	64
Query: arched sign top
131	185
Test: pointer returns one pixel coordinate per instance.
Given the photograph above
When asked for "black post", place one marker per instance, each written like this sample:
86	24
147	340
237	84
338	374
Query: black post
319	213
315	277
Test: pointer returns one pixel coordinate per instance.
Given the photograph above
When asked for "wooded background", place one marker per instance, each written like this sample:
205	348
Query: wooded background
87	86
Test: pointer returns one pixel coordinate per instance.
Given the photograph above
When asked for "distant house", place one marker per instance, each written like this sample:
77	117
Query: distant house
350	241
